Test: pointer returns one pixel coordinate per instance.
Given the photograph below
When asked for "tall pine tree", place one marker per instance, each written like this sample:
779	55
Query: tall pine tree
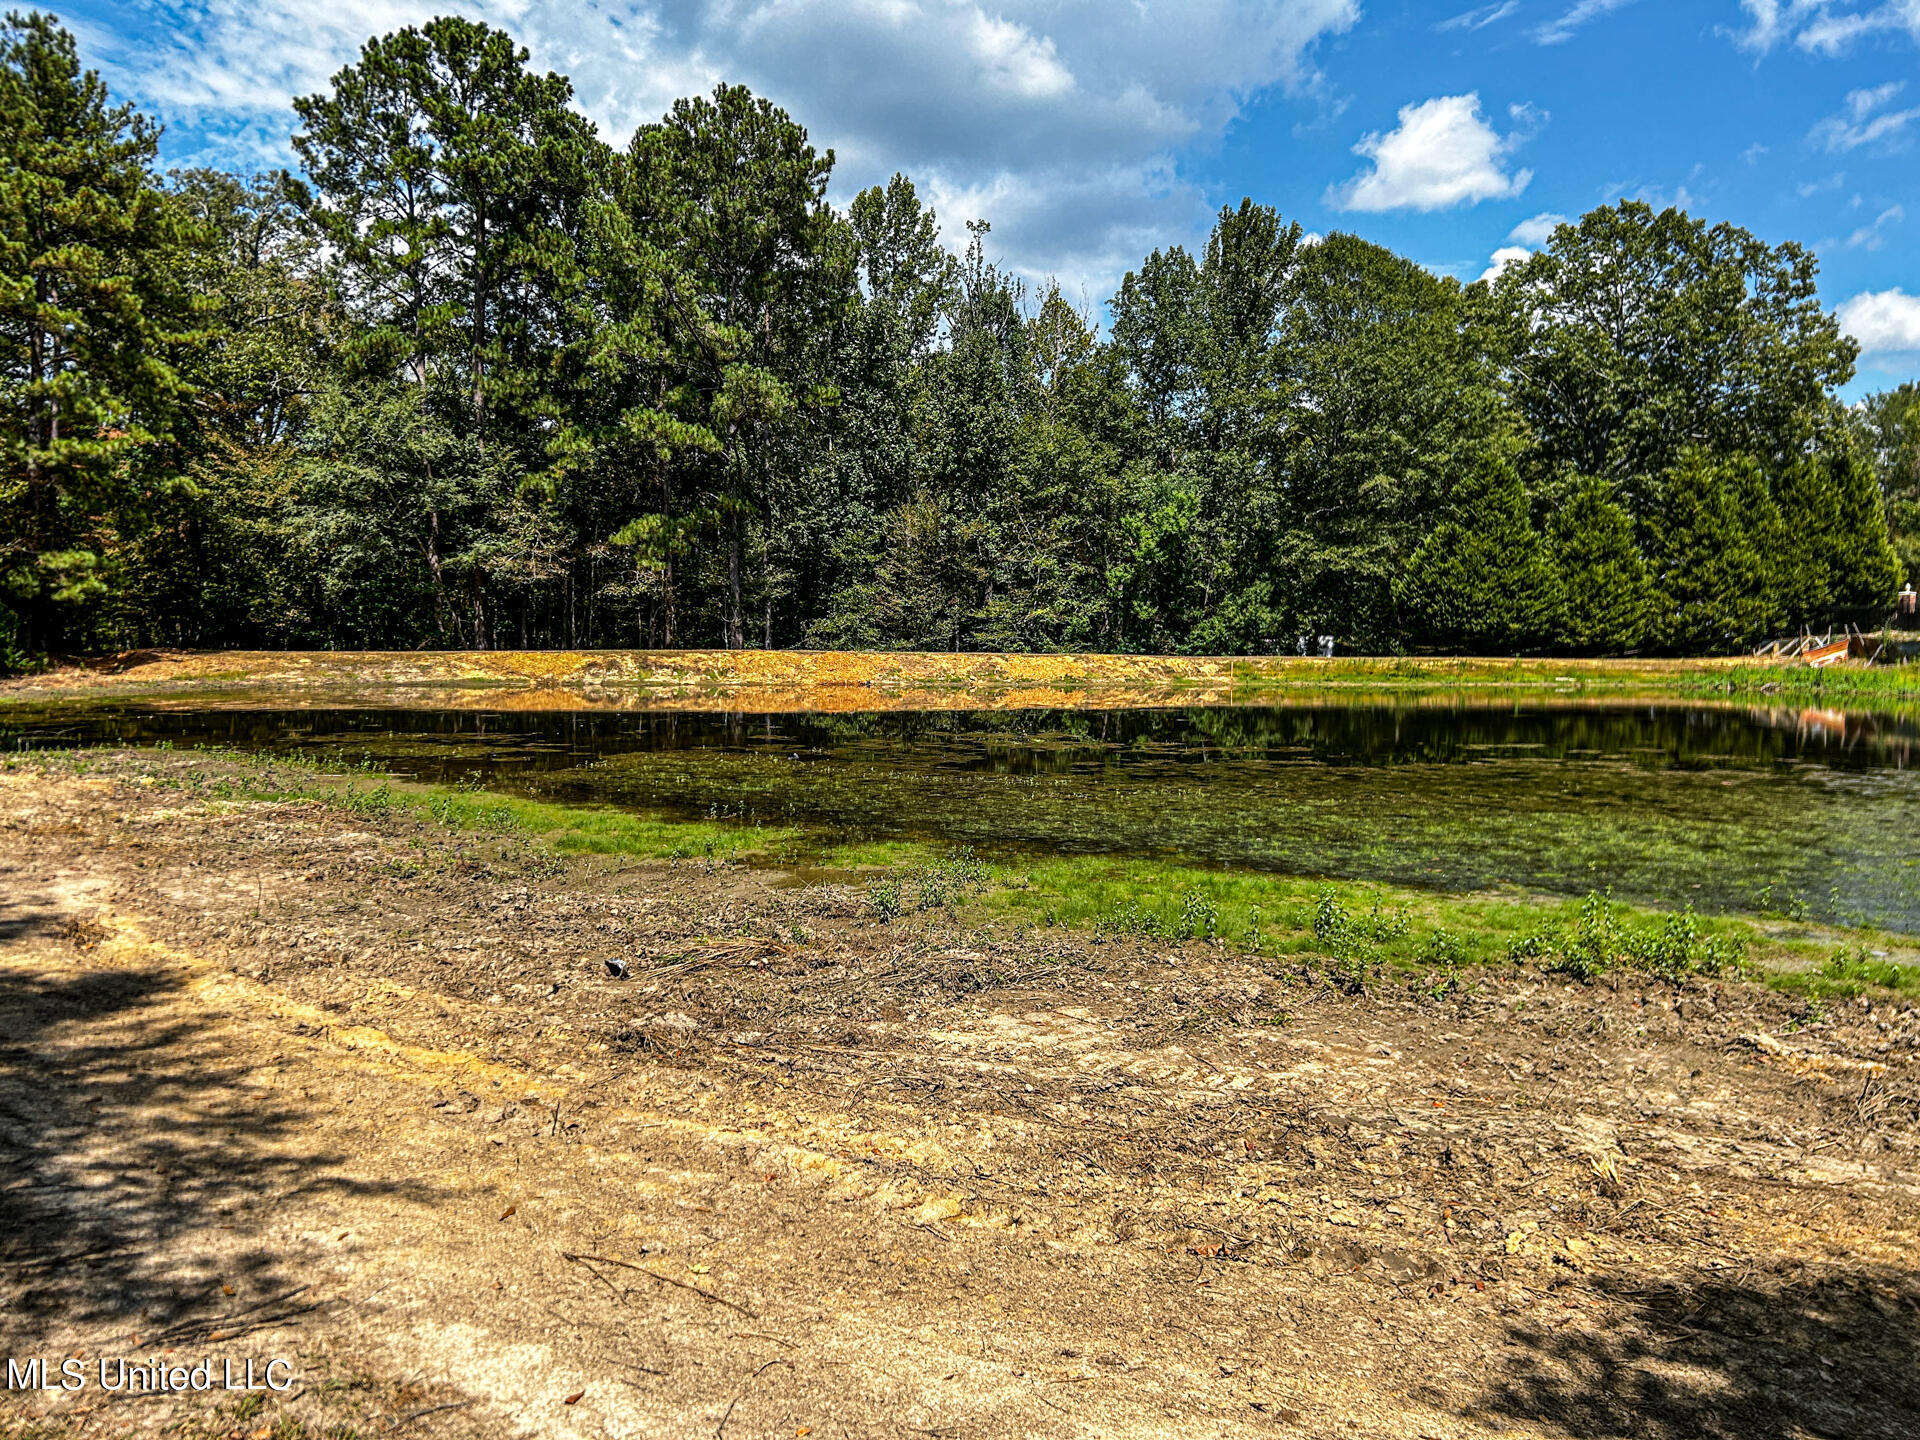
1483	578
1601	572
92	325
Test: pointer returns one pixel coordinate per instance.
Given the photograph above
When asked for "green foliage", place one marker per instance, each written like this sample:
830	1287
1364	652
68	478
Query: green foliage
1678	948
94	324
1198	918
1888	425
1635	334
1602	575
1594	944
1672	948
936	885
480	378
1483	580
1352	942
1713	581
1851	970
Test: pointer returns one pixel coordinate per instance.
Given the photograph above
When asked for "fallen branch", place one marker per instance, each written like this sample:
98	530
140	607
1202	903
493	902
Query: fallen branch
430	1410
719	1431
589	1261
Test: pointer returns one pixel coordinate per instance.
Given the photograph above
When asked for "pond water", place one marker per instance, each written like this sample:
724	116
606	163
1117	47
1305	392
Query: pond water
1665	803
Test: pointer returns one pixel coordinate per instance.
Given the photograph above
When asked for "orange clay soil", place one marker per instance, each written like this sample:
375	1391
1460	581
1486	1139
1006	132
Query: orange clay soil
771	681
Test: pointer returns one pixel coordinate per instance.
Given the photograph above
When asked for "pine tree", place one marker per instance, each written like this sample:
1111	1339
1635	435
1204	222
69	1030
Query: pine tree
1810	541
452	182
739	194
1483	577
1711	582
92	323
1601	572
1865	569
1766	537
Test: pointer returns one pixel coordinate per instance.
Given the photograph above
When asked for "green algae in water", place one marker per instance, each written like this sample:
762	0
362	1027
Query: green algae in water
1728	808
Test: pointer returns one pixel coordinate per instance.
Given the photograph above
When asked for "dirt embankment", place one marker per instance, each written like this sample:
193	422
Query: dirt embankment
277	1081
779	681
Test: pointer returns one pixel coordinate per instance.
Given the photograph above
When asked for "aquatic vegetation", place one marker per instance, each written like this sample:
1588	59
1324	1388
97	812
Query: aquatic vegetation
1441	791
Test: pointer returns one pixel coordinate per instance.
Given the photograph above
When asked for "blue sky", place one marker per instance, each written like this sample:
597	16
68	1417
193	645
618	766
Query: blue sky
1090	131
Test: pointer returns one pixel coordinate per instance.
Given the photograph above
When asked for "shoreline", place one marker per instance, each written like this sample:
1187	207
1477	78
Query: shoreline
774	682
979	1174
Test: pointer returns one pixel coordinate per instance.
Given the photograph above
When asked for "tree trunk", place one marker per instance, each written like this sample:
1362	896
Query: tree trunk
736	627
479	318
440	619
477	599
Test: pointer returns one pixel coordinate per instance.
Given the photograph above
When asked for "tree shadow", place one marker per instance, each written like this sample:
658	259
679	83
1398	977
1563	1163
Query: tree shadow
127	1141
1743	1357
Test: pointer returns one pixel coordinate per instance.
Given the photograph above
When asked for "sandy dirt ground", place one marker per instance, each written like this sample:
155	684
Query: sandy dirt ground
279	1081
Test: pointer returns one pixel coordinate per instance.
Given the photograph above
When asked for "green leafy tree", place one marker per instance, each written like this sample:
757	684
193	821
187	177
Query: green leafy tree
1889	426
739	195
268	328
1713	583
93	325
457	188
1633	335
450	182
1866	568
1389	404
1602	574
1484	578
1809	543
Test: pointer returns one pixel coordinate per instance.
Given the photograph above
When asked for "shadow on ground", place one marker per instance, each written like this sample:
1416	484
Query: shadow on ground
126	1129
1751	1357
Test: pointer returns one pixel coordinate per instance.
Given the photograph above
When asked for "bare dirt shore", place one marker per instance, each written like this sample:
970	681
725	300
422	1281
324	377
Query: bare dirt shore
780	681
279	1081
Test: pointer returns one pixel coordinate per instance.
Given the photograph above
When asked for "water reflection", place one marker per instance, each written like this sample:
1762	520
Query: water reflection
1668	803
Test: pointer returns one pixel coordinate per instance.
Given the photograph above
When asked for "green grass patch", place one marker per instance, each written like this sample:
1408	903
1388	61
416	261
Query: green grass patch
1353	932
1356	932
1850	971
567	829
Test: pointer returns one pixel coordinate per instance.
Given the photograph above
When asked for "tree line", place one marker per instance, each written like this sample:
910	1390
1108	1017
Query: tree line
478	378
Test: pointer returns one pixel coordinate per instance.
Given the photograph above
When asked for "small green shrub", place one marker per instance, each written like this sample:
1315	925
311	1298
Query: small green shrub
883	898
1848	972
1595	942
1349	945
1677	948
1530	947
1199	917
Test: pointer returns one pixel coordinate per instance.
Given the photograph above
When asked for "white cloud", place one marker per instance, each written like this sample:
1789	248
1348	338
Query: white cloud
1824	27
1872	237
1536	231
1479	19
1883	321
1859	125
1503	257
1442	153
1067	114
1560	30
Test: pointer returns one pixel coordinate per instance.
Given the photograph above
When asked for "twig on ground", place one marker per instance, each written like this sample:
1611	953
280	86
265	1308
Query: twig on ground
720	1430
430	1410
589	1261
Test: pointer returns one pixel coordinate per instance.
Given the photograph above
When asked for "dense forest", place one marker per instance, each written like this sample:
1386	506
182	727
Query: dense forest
476	378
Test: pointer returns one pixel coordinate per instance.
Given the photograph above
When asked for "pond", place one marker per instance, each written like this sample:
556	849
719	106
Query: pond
1728	808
